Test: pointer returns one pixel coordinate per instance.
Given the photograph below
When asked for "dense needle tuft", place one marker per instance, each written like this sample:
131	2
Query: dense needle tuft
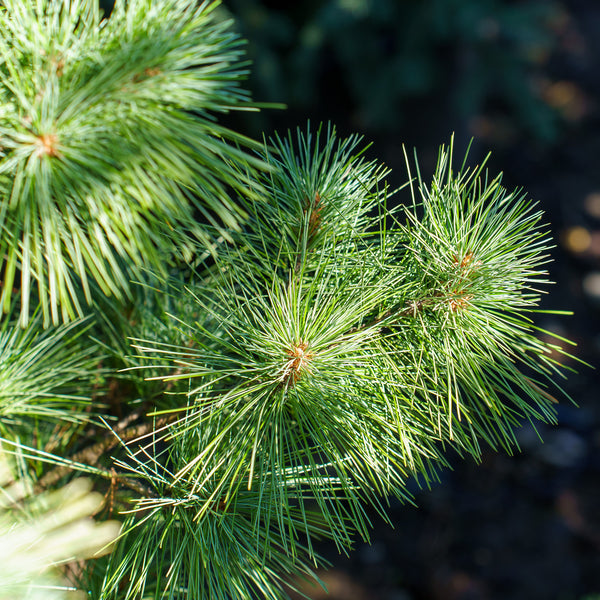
333	362
112	160
301	346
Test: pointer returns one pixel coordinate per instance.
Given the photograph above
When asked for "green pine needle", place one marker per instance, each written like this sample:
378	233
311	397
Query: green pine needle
310	346
476	254
45	375
340	346
109	146
179	542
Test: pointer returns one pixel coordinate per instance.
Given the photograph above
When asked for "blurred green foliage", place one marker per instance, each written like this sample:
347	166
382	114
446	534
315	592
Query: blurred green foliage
367	60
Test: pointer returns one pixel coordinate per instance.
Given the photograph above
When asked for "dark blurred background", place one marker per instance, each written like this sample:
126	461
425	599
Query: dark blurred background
522	78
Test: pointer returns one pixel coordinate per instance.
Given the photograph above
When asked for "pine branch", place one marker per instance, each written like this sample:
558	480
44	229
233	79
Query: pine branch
316	349
111	159
333	362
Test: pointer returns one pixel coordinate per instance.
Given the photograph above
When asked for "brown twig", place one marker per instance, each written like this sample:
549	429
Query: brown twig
91	455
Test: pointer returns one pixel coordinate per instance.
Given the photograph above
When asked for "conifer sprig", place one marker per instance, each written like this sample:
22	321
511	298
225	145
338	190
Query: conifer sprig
181	540
309	348
476	256
318	195
111	160
282	388
45	375
341	346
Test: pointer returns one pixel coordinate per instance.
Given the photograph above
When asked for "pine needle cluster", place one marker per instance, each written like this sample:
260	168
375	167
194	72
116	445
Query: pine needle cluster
110	153
340	347
261	343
